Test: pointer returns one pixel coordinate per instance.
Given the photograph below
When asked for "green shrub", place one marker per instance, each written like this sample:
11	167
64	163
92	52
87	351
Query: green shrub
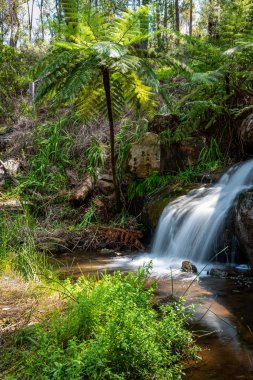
109	330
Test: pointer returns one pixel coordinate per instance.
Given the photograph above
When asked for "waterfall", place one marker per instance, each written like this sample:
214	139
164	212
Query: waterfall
191	226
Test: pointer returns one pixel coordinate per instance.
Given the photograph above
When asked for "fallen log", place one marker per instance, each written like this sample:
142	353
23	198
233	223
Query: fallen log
88	239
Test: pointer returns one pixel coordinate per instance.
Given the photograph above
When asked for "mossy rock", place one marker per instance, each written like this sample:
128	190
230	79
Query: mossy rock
157	203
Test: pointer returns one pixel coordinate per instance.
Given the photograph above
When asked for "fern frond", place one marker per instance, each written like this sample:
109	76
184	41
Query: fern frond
208	78
131	26
89	100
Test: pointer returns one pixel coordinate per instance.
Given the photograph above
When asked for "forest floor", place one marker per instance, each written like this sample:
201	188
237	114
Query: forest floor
22	304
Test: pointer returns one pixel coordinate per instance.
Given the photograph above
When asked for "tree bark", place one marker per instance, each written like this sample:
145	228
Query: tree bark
14	24
41	7
177	20
30	18
190	21
107	88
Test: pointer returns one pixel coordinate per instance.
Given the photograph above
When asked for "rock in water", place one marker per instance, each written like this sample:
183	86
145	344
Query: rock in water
187	266
216	272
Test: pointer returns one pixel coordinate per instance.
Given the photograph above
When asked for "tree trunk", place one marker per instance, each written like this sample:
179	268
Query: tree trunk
15	24
177	21
30	18
41	7
227	83
158	25
107	88
165	24
190	21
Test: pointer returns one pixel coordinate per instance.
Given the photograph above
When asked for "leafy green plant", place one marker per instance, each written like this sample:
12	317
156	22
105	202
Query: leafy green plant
18	251
210	157
47	167
89	217
95	156
149	185
109	330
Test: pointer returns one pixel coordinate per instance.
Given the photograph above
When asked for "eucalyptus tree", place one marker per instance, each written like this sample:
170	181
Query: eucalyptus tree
97	66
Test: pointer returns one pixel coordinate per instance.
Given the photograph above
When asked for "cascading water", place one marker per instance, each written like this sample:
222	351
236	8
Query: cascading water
191	226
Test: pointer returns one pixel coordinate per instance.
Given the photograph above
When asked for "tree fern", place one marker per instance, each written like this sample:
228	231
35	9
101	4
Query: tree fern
236	21
96	66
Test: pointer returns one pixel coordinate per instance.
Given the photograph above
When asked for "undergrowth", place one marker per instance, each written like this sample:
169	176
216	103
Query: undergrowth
52	145
18	251
109	330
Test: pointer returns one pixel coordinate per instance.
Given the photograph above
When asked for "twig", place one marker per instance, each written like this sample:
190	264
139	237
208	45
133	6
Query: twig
197	275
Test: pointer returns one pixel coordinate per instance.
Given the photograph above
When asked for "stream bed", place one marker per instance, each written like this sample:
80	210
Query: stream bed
223	317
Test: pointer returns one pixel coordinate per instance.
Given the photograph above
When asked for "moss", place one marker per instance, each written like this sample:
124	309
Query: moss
157	203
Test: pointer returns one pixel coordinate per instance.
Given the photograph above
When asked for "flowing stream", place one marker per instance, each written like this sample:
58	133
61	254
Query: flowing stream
191	226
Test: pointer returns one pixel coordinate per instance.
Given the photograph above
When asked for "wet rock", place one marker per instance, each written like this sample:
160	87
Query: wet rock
187	266
144	156
216	272
246	132
156	203
81	192
107	251
244	223
214	176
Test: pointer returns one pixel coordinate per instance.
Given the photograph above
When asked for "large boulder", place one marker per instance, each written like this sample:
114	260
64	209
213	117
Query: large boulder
149	155
177	156
246	132
191	148
244	223
144	156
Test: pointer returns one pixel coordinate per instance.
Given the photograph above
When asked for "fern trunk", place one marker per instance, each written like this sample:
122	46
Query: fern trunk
107	88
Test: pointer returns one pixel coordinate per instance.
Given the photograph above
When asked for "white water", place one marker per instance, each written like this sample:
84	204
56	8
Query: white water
191	226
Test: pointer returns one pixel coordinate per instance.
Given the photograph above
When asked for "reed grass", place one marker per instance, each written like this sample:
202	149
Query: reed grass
18	251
